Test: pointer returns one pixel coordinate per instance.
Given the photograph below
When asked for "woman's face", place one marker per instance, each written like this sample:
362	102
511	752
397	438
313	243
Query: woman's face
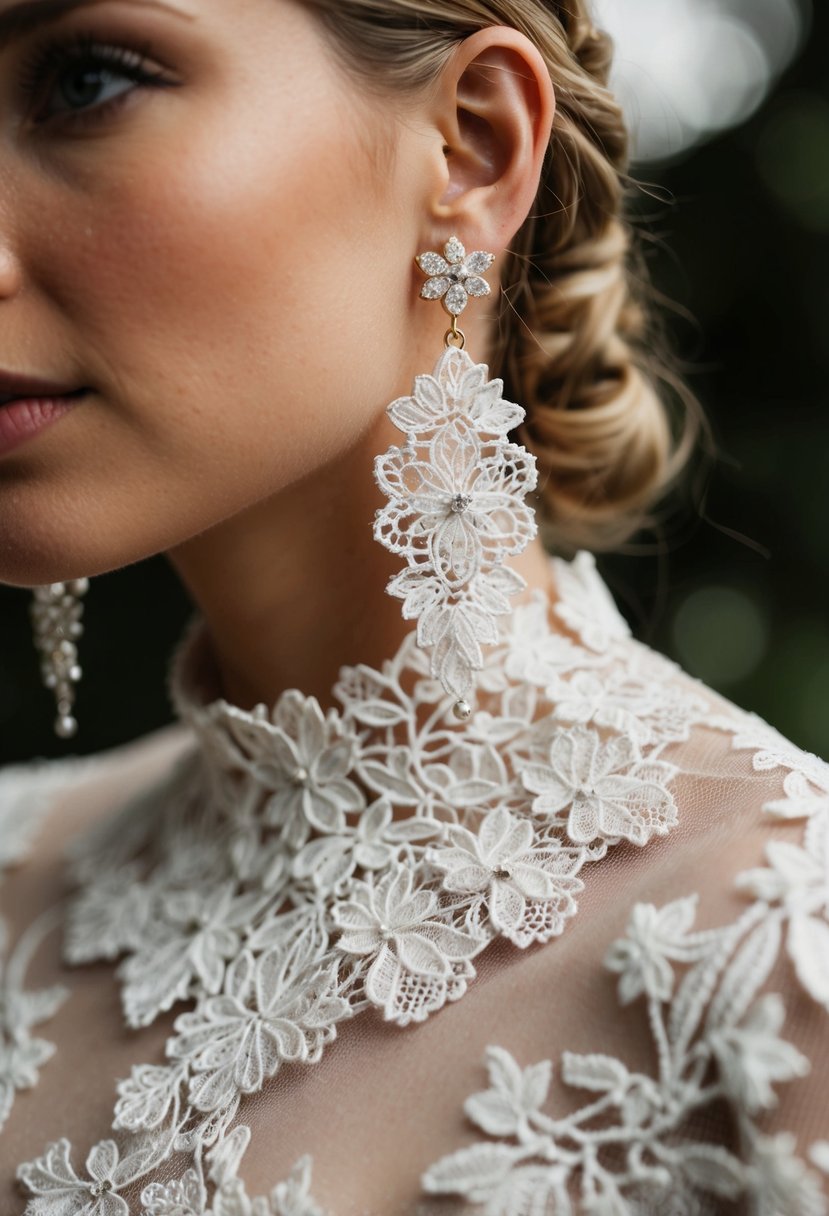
216	252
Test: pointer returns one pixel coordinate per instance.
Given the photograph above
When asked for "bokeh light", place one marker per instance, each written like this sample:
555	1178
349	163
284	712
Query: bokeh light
685	70
793	158
721	634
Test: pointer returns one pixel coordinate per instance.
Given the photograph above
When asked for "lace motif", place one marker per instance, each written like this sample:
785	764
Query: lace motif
532	1158
279	893
26	793
456	508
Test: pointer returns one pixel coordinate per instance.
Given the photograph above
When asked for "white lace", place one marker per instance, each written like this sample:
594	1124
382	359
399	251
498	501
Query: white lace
456	507
296	868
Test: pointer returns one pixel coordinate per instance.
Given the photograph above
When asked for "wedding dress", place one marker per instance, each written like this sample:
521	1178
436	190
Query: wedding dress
568	955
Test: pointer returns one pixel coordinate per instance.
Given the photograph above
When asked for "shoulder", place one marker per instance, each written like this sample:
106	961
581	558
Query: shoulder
78	787
699	963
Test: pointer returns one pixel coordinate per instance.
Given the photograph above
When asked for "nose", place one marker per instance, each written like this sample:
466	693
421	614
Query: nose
9	271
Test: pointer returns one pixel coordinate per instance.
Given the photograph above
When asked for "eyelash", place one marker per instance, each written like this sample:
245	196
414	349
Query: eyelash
54	55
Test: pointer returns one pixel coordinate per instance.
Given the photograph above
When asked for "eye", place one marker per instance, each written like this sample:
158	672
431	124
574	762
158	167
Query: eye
77	79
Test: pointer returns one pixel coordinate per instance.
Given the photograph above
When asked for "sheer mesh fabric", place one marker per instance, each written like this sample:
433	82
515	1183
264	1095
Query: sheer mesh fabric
385	1102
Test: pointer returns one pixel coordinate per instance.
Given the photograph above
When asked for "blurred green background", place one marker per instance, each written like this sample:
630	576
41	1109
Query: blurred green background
735	585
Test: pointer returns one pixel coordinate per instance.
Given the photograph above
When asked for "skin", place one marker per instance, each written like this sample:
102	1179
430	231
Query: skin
228	263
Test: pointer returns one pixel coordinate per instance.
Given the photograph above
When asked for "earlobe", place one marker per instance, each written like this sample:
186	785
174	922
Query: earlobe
496	112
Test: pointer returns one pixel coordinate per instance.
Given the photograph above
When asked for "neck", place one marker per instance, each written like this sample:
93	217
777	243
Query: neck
294	587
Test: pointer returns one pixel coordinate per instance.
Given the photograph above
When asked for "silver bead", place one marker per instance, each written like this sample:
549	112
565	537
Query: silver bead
66	726
462	709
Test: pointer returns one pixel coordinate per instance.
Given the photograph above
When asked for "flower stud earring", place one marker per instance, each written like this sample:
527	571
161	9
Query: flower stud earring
56	611
456	490
454	277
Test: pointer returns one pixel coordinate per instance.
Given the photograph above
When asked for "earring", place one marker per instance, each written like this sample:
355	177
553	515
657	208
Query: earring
455	490
56	611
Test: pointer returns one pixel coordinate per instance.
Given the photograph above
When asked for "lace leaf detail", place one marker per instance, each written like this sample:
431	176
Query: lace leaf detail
474	1172
455	512
514	1097
809	949
352	905
596	1071
712	1170
746	973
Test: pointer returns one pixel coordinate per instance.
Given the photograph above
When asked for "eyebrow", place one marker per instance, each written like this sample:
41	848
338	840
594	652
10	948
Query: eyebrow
29	15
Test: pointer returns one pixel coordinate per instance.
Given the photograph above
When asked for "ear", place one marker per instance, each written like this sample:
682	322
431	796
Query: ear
493	109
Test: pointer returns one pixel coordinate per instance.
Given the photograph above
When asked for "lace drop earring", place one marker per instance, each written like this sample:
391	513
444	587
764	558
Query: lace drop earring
455	490
56	611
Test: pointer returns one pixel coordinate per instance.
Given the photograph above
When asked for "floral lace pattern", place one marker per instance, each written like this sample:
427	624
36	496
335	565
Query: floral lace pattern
713	1016
26	793
456	509
299	867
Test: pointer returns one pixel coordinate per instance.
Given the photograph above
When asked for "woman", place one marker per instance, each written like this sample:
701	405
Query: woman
364	845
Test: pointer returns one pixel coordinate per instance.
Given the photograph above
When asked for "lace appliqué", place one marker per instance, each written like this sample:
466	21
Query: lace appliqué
714	1038
278	892
27	794
456	510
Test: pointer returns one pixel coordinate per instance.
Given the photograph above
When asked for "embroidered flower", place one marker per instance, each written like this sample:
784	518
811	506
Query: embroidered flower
60	1192
182	1197
611	792
635	1141
499	860
185	949
372	845
751	1055
795	876
278	1007
147	1095
21	1053
460	508
628	702
458	388
806	790
585	604
782	1184
108	917
536	655
653	937
293	1196
300	761
515	1096
400	928
20	1063
798	878
456	276
468	774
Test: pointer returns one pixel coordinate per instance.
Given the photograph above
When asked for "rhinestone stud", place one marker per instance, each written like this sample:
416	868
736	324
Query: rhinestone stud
455	275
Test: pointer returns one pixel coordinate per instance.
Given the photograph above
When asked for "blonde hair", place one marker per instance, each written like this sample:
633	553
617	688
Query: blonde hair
578	345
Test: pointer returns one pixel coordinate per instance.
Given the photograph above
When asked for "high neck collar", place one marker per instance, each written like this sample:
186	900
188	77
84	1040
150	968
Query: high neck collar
584	606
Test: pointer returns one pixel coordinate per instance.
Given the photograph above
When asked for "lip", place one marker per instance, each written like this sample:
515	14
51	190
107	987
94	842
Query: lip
11	384
25	417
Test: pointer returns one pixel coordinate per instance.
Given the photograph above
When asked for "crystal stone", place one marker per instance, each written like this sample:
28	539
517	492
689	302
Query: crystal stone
454	250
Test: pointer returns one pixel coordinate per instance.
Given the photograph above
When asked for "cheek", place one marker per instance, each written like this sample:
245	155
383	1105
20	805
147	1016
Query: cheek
228	283
236	289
